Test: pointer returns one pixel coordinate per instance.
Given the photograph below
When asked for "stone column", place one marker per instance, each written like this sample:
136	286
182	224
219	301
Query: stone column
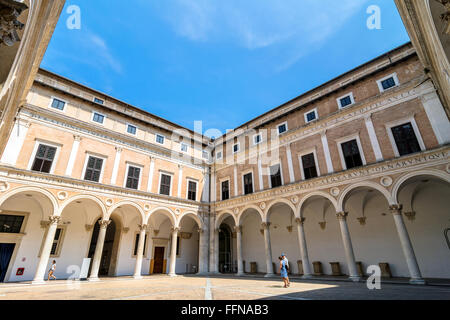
150	175
99	250
307	273
408	251
73	155
46	249
173	252
350	256
290	165
216	250
202	252
180	180
240	262
265	226
373	138
326	151
140	251
116	165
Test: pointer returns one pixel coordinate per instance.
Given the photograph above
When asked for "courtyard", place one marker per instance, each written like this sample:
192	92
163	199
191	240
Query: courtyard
162	287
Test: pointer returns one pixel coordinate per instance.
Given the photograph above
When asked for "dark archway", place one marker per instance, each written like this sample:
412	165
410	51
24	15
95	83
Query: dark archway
225	252
108	247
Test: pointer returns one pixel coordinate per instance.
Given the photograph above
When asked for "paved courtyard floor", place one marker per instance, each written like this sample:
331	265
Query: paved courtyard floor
162	287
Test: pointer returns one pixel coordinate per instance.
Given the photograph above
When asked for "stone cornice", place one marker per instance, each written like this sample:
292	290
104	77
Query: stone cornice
388	167
12	174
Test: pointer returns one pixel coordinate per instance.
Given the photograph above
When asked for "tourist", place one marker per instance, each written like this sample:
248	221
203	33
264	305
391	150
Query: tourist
286	262
52	271
283	272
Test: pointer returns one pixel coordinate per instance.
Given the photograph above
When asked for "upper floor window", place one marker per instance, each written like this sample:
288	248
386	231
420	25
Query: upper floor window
131	129
205	154
346	100
44	158
160	139
184	147
248	183
93	169
225	190
58	104
282	128
219	155
351	154
275	176
192	190
309	166
98	117
133	177
164	187
388	82
10	223
236	147
257	138
99	101
405	139
311	116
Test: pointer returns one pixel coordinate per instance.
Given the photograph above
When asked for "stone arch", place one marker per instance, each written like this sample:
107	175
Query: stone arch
278	201
129	203
367	184
251	206
192	215
166	211
222	216
430	172
39	190
81	197
315	194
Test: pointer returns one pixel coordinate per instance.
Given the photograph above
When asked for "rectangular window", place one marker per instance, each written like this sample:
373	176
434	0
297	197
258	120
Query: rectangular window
192	190
310	116
136	244
93	169
184	147
58	104
131	129
248	183
99	118
165	184
236	148
219	155
405	139
178	246
275	176
160	139
309	166
56	241
10	223
225	190
388	83
44	158
282	128
205	155
133	177
97	100
351	154
346	101
257	139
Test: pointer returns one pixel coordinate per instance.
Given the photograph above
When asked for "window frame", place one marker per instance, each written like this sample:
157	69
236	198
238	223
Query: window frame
399	122
35	149
278	128
187	188
305	115
181	147
51	102
99	113
243	182
86	160
392	75
128	165
208	156
102	101
221	155
132	125
239	147
305	153
261	139
229	188
270	176
161	135
350	94
136	243
171	182
358	143
63	228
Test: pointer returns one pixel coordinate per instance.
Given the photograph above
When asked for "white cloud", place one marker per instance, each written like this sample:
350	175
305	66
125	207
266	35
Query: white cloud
101	52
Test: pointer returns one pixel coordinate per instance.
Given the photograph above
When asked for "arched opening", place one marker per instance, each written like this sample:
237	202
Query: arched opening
226	261
188	246
253	247
108	248
426	202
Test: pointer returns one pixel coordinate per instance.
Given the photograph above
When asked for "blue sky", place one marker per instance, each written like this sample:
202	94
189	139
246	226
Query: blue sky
222	62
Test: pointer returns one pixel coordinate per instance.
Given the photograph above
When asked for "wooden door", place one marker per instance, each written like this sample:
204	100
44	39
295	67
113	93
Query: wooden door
159	260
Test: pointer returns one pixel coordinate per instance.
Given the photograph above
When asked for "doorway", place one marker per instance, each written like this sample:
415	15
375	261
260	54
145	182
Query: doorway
108	247
225	243
6	251
158	266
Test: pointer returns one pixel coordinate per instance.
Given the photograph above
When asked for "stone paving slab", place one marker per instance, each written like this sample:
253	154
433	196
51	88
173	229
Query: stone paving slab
215	288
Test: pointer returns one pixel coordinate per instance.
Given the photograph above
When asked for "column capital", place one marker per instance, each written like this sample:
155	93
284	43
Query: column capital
201	230
396	209
175	230
265	225
368	117
104	223
119	149
300	221
323	133
180	167
76	137
142	227
341	215
238	229
54	219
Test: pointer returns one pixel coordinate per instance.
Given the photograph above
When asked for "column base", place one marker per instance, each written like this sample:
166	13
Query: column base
239	274
172	274
355	278
138	277
307	276
38	282
93	279
417	281
269	275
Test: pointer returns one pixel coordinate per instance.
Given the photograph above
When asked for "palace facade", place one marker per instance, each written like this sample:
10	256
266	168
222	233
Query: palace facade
353	173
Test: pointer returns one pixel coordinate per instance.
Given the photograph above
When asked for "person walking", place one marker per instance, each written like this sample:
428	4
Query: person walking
283	272
52	271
